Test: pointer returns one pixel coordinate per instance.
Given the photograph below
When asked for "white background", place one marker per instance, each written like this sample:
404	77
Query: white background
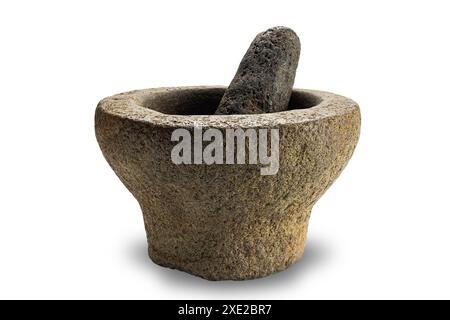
70	229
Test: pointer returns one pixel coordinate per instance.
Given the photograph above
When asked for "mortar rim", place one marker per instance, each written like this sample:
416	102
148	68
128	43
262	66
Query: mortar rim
131	105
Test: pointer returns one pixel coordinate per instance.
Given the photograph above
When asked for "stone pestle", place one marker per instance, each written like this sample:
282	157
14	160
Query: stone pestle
265	77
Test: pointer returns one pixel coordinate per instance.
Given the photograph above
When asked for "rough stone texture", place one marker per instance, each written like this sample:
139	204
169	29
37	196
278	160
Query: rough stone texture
225	221
264	80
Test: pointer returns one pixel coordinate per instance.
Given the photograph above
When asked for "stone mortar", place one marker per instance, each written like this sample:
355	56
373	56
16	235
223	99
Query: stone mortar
225	221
